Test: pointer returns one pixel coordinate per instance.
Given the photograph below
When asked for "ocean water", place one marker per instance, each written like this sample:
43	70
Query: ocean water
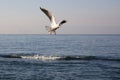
59	57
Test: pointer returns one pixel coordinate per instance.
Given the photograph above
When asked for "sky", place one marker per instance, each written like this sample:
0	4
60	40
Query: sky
83	16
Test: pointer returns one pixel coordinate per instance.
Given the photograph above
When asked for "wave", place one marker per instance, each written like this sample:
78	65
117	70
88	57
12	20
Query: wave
69	57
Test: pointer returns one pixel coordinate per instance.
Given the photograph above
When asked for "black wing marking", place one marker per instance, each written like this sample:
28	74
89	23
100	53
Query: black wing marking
47	13
62	22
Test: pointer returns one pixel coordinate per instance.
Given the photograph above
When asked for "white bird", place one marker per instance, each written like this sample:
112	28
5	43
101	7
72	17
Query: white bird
53	26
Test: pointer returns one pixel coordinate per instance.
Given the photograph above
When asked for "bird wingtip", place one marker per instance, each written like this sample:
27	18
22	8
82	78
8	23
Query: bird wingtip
40	7
65	21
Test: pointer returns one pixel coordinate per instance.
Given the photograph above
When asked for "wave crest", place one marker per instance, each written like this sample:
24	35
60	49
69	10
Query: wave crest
41	57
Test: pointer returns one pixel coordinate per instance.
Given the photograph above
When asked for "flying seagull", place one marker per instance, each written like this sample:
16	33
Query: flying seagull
53	26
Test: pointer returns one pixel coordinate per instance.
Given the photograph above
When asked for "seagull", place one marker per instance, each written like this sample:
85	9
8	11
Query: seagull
53	26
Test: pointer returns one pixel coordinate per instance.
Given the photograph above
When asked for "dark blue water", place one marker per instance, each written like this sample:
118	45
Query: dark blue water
59	57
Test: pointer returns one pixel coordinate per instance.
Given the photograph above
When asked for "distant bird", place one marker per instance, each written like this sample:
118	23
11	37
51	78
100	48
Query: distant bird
53	26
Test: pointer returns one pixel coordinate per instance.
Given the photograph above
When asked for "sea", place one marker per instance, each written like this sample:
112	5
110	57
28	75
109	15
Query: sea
60	57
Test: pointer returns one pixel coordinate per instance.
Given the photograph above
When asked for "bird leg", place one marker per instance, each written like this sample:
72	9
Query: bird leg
54	32
50	32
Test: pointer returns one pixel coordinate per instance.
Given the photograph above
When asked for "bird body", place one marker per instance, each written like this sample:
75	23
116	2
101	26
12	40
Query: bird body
53	26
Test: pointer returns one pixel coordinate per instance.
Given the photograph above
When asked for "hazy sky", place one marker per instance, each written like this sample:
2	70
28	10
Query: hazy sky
83	16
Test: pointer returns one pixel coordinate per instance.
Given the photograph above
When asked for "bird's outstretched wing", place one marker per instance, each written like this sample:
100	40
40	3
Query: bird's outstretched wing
49	15
62	22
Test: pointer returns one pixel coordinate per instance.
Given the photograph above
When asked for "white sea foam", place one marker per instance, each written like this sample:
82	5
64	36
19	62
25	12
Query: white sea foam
41	57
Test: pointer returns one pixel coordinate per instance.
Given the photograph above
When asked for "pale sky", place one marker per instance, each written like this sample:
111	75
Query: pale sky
83	16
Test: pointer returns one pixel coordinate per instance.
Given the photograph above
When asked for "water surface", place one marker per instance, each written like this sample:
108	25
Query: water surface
59	57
